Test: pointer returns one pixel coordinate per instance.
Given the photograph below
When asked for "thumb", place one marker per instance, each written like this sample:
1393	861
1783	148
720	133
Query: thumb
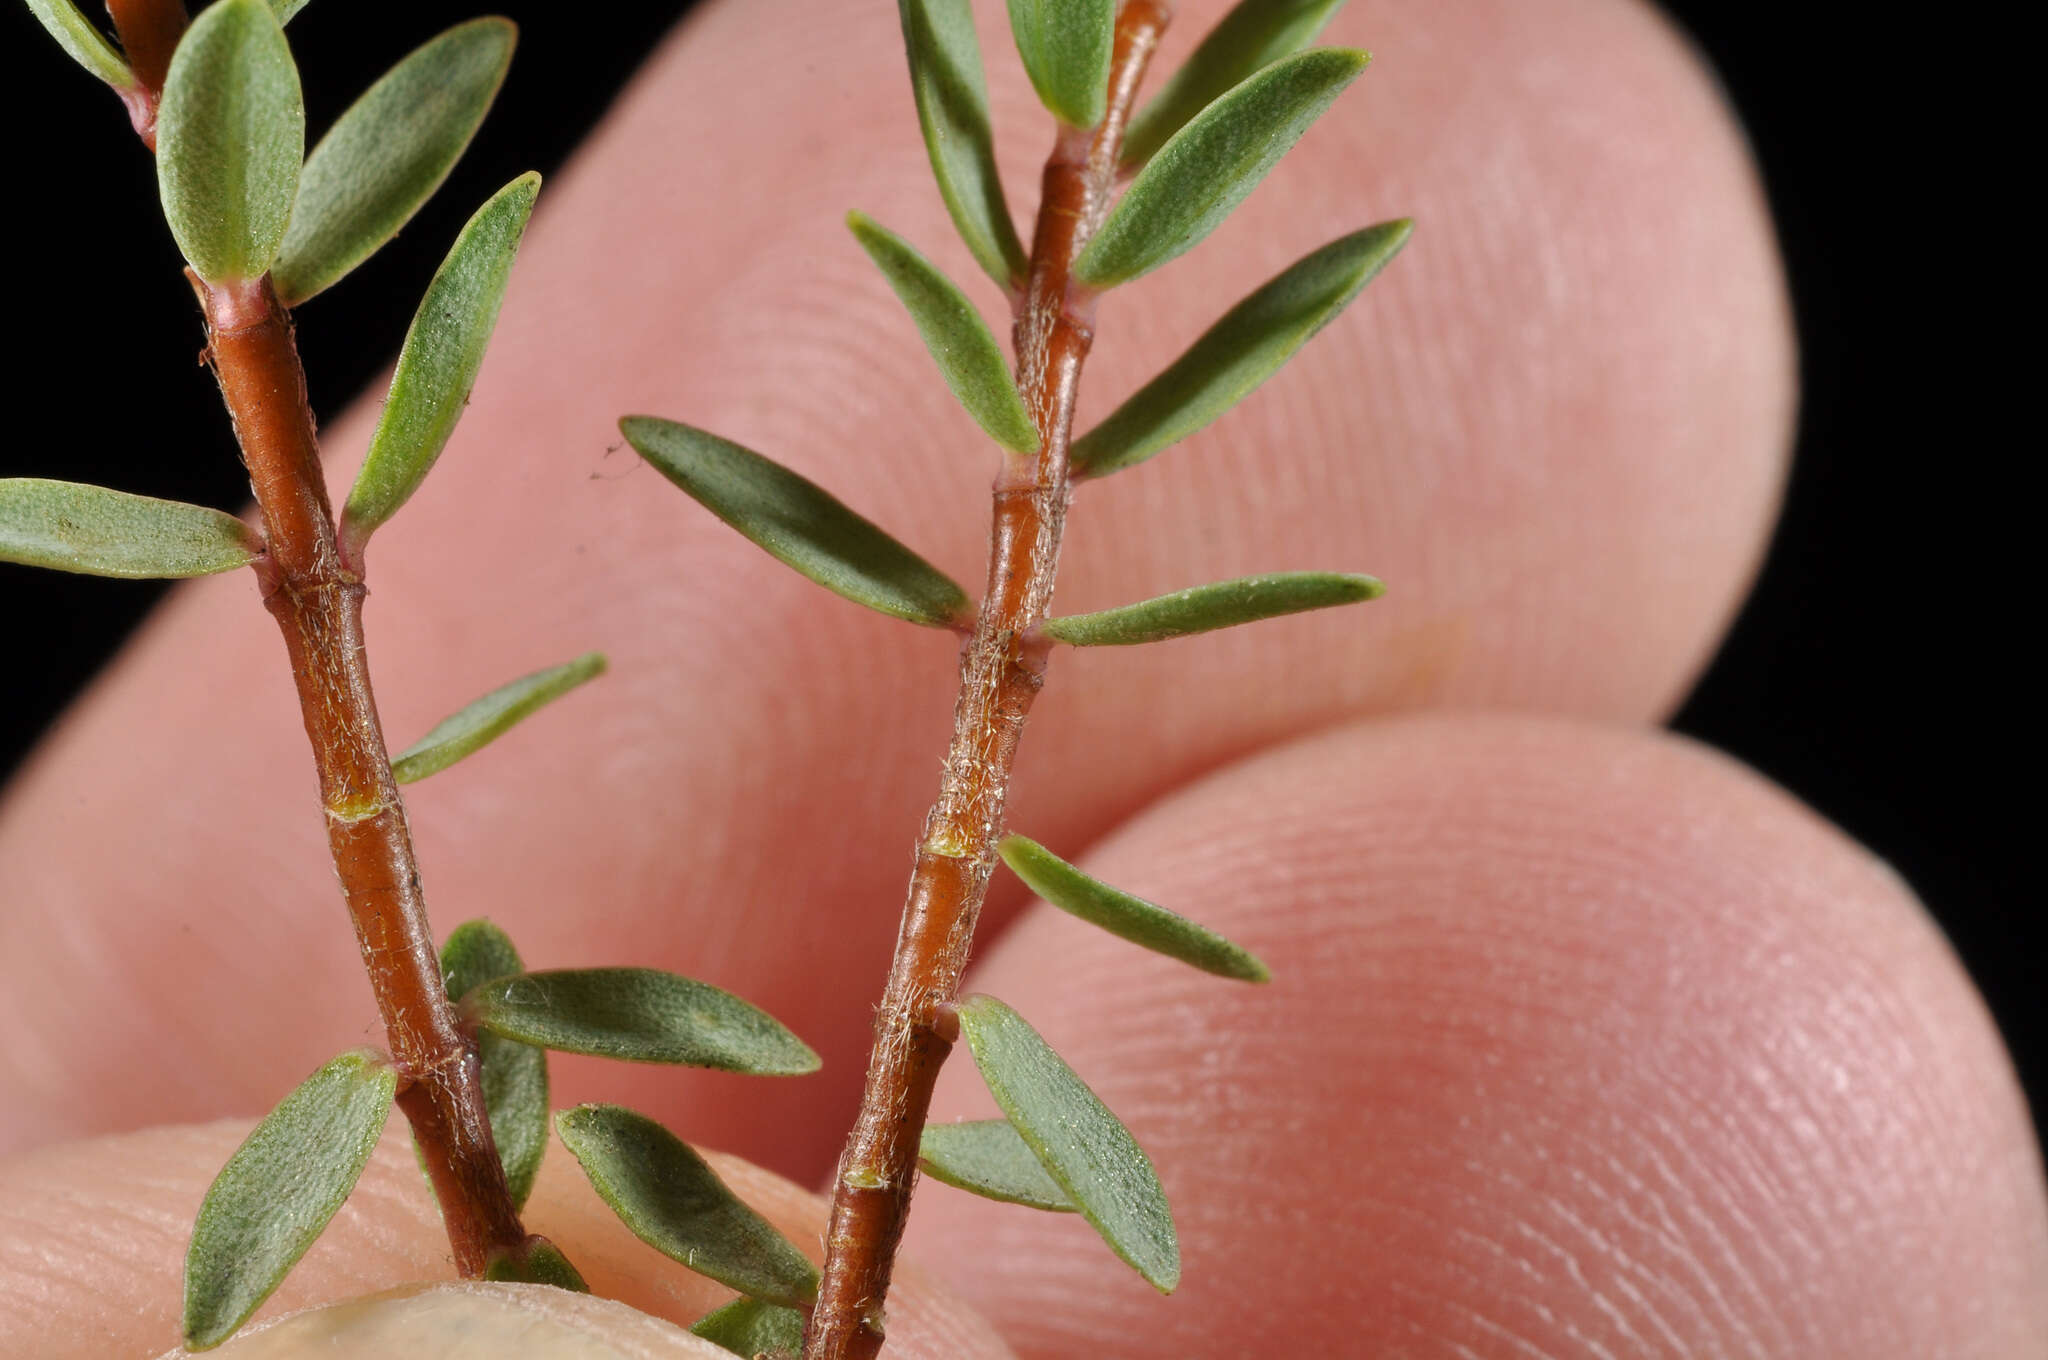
93	1234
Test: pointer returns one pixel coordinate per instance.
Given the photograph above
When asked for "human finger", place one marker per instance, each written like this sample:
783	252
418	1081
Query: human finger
1579	1042
1556	426
93	1235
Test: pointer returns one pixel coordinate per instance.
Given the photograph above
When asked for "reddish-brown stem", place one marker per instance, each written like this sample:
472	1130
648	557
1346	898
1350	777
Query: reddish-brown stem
317	599
318	604
1002	668
149	31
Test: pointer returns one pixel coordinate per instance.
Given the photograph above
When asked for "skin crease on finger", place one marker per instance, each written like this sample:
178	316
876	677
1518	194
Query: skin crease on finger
1556	427
92	1236
1580	1043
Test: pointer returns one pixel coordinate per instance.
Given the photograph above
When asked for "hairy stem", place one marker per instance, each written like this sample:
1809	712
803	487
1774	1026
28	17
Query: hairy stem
317	600
1002	668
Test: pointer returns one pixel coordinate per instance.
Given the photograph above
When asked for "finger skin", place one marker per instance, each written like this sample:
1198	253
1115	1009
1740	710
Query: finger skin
465	1319
93	1235
1555	426
1580	1043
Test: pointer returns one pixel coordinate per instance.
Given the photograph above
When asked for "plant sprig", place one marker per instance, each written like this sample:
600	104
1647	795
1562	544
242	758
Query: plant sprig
1251	90
264	228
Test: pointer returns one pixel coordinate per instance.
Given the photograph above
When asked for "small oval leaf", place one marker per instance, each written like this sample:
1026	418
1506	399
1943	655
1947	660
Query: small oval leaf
1066	47
278	1191
1084	1147
69	526
389	152
1206	608
230	133
799	523
484	720
675	1203
750	1328
82	41
952	109
968	356
989	1158
1239	352
444	350
1257	33
639	1015
1130	918
515	1075
1208	167
538	1262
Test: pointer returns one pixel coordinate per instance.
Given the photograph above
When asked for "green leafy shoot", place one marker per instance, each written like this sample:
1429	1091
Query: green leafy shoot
1066	47
96	531
952	110
1254	34
231	131
1246	347
1125	916
1084	1147
989	1158
542	1262
638	1015
515	1075
443	352
287	8
800	524
1208	167
82	41
968	356
676	1204
1203	609
278	1191
484	720
388	153
750	1328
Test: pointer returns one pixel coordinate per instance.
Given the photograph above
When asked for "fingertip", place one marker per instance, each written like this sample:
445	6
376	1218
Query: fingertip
1580	1041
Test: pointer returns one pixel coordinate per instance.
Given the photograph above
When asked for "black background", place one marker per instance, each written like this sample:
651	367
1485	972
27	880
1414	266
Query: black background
1872	673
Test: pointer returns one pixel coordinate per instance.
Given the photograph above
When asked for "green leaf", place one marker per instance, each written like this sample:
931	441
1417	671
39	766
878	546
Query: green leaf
799	523
287	8
749	1327
515	1075
1066	46
1132	918
968	356
676	1204
1206	608
82	40
1208	167
389	152
484	720
990	1159
952	109
1255	34
639	1015
438	365
540	1262
230	133
277	1192
1239	352
101	532
1084	1147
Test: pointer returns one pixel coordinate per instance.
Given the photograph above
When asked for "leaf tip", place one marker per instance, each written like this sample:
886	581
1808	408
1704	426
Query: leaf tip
1357	587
